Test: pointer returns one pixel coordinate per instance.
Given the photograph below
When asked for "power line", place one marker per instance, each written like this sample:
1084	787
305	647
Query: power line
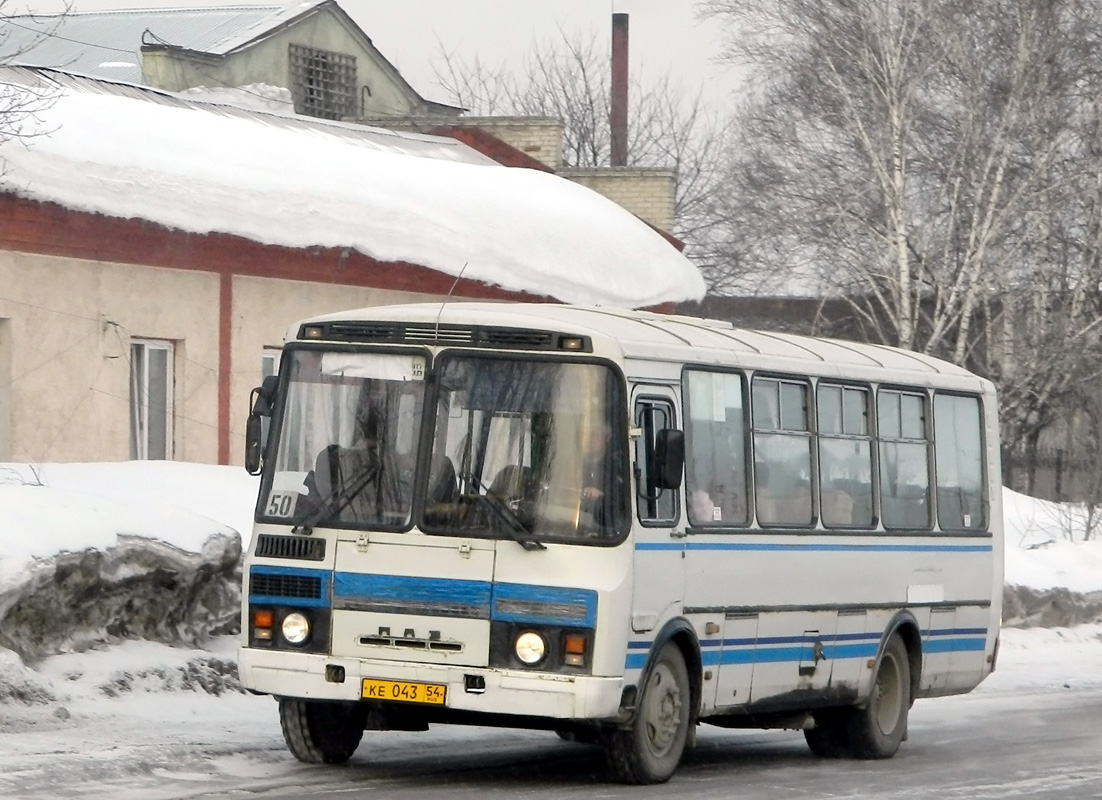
52	35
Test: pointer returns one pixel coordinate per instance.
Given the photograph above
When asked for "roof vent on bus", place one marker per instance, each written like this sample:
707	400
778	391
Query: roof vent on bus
515	337
352	332
297	547
442	334
454	335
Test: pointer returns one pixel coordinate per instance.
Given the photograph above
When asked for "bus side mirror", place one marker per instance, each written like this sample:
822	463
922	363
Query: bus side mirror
254	444
262	402
669	458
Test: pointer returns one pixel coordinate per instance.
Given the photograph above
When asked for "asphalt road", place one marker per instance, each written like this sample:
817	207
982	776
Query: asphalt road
1046	744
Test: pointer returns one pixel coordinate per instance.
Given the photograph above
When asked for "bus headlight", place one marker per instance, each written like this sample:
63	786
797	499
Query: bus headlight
530	648
295	628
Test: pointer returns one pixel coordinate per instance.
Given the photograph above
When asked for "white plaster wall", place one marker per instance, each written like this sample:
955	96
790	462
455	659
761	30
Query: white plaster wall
5	389
70	326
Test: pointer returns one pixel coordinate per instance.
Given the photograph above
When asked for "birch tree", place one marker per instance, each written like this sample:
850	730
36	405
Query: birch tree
935	162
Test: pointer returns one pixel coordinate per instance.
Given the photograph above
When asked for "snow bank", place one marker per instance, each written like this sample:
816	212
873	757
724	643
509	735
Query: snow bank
98	553
102	553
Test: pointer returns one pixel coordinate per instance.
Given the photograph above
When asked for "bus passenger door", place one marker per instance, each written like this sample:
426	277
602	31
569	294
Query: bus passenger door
659	581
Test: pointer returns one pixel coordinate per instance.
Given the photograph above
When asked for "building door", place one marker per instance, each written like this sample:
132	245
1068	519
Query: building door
151	385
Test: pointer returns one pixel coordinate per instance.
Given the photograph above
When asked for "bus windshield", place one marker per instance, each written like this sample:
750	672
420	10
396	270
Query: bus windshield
347	449
536	449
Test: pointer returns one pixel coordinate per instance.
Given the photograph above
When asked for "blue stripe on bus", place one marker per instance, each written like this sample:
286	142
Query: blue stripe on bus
774	547
275	600
505	602
770	649
956	632
394	590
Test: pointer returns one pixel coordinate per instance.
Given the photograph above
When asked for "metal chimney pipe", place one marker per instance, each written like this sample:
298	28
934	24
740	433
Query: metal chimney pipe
619	99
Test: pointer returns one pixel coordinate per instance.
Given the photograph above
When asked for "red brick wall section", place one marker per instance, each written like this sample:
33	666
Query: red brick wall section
491	146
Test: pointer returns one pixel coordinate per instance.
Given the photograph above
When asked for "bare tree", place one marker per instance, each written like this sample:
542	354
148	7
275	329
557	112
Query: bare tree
569	79
936	163
21	100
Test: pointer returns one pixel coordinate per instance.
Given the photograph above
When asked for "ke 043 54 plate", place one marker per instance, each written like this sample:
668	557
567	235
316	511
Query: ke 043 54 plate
404	691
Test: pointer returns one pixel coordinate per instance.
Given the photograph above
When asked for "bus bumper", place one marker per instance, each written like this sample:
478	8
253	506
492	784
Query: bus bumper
510	692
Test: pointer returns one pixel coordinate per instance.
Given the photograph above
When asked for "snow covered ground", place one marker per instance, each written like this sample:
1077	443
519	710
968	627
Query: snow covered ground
141	719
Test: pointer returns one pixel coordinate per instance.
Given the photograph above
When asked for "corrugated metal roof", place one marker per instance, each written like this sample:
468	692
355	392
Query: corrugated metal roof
107	44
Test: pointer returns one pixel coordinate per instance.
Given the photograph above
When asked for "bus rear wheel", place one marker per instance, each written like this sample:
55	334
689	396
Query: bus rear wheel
320	732
877	730
649	750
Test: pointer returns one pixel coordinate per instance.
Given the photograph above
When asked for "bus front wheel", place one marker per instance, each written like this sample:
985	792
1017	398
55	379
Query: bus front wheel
649	750
321	732
877	730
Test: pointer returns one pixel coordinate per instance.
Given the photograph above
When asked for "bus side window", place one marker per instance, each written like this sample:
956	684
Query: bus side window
715	432
654	504
782	451
845	456
958	455
904	459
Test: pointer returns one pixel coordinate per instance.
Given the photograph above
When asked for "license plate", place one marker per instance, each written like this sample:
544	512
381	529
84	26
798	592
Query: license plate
404	691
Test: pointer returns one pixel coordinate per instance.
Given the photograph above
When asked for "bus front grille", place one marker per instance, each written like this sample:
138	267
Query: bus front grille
298	587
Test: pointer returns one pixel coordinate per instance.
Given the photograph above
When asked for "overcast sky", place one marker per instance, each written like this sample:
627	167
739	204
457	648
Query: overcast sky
665	35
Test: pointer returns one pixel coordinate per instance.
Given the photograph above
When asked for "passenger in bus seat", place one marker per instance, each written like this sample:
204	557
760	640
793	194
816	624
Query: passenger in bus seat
702	509
836	507
443	482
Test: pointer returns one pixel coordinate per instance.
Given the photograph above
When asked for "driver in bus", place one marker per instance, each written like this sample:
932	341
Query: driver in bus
600	474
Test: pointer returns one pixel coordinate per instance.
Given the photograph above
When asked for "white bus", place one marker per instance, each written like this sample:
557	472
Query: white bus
615	525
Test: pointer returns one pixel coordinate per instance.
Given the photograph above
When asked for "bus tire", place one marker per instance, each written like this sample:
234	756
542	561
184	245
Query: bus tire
830	736
321	732
877	730
650	748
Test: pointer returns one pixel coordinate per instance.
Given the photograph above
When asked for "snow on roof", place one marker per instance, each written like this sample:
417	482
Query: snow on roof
282	180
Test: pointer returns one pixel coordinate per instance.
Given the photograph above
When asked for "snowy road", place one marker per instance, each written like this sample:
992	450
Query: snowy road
1030	731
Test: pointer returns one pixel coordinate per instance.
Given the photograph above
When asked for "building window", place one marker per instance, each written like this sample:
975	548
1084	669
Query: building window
150	399
323	82
269	362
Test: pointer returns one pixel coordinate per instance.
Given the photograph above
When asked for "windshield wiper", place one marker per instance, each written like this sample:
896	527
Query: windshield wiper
339	499
516	529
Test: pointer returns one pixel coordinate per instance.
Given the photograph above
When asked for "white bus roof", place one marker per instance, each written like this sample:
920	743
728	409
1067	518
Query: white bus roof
649	336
